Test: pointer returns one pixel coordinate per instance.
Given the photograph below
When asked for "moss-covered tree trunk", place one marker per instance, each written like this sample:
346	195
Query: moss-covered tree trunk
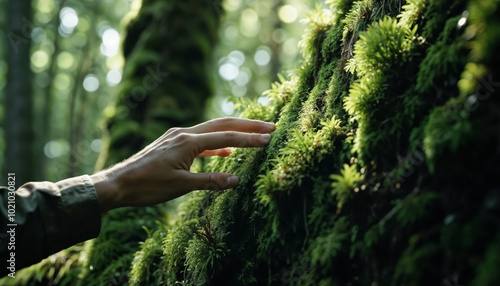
382	168
166	79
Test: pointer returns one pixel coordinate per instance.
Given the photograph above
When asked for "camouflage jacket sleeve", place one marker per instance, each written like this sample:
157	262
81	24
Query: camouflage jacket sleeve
45	218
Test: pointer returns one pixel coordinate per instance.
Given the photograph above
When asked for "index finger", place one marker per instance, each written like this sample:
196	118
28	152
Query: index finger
232	124
218	140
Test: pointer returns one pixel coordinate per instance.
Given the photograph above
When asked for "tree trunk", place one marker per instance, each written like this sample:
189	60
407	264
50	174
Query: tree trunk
166	79
19	133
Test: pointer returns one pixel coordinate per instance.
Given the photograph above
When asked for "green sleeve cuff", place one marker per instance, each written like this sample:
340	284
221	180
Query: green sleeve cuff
79	213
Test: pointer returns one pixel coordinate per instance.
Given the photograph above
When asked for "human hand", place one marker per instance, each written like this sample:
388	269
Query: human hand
160	172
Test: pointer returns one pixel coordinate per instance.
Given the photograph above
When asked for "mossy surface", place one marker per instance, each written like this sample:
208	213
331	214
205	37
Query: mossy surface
375	174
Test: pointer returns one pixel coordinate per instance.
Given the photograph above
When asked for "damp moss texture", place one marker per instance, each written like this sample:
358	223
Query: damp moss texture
383	168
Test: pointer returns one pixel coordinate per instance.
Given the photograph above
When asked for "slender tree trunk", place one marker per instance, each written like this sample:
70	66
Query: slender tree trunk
19	133
46	130
79	95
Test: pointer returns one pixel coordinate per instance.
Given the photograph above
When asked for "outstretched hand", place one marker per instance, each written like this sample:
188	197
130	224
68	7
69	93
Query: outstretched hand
160	172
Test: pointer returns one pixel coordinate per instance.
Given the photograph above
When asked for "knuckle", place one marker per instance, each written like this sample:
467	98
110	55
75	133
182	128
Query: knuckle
213	184
174	131
182	138
211	178
229	134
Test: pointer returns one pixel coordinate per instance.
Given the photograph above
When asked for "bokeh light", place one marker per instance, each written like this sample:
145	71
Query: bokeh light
56	148
38	35
62	81
95	145
262	56
65	60
228	71
69	21
231	5
45	6
249	26
39	59
264	100
110	42
113	77
227	107
287	13
242	79
91	83
237	57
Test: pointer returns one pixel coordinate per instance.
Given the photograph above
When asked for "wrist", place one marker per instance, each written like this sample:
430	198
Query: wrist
107	187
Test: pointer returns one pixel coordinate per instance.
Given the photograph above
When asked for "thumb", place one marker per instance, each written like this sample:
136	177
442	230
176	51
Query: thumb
212	181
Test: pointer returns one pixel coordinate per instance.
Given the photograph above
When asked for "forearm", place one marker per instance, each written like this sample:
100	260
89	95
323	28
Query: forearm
49	217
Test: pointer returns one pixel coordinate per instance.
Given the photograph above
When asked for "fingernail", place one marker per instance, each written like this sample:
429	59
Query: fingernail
270	124
232	181
265	138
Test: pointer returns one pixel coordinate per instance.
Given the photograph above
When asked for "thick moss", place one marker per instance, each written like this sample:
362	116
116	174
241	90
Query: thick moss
355	186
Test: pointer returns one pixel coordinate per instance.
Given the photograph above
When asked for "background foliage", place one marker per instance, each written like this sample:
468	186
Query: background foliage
381	170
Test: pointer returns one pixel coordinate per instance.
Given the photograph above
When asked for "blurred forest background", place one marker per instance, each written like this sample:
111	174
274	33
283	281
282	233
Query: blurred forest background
67	69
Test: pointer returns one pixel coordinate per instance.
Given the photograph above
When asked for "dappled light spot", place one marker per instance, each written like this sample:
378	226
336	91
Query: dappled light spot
262	56
62	81
65	60
117	62
90	83
110	42
242	78
39	59
249	23
228	71
232	5
56	148
237	57
287	13
95	145
69	17
264	100
69	21
227	107
113	77
38	35
45	6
